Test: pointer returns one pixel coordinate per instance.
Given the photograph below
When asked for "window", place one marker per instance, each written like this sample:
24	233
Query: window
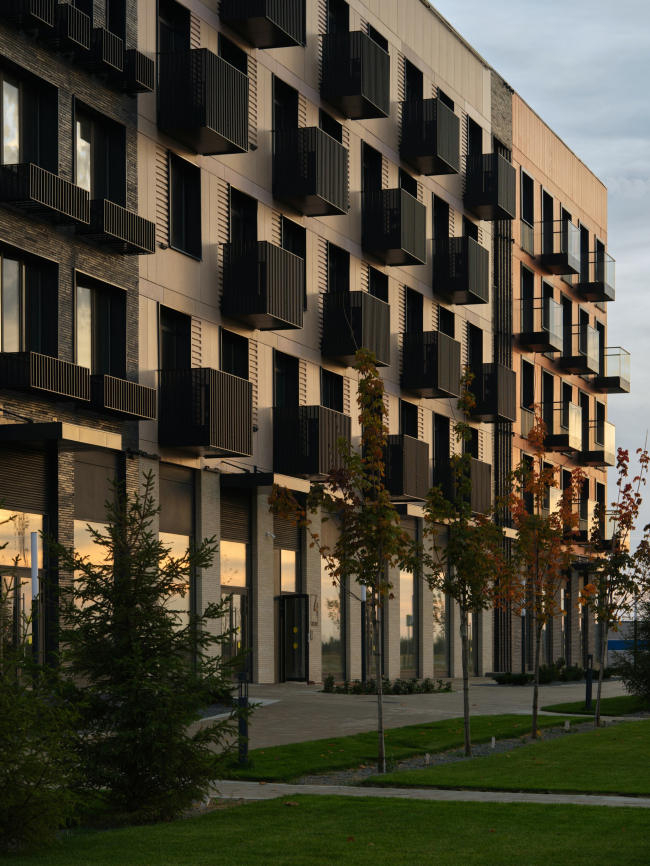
527	384
584	254
414	304
376	36
287	390
474	138
407	625
28	305
332	127
175	340
243	218
372	174
446	322
440	437
294	239
474	345
234	354
471	445
116	18
338	16
285	105
470	229
232	54
100	327
184	207
408	419
440	218
29	122
378	284
100	157
338	269
527	198
446	100
331	387
173	26
413	81
408	183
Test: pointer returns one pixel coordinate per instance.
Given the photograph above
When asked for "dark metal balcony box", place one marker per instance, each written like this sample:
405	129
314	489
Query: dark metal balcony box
461	271
266	23
495	393
122	398
42	374
205	411
42	194
29	14
491	188
106	53
71	31
138	74
430	137
406	463
203	101
356	75
304	440
480	478
310	172
119	229
355	320
263	286
394	227
431	364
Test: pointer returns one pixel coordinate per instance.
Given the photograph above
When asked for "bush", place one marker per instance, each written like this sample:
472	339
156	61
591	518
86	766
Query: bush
633	665
399	687
510	679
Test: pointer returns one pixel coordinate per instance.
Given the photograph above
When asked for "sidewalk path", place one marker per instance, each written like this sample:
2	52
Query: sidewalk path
255	791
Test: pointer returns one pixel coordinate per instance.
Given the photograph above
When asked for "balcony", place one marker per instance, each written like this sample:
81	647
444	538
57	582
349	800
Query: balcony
563	423
480	475
430	364
41	374
394	227
610	537
356	75
551	502
491	185
495	393
559	247
599	444
430	137
461	271
29	14
527	237
597	278
542	327
527	422
138	74
122	398
42	194
203	102
71	31
266	23
407	468
263	286
106	54
586	509
310	172
204	411
355	320
119	229
614	374
304	440
581	350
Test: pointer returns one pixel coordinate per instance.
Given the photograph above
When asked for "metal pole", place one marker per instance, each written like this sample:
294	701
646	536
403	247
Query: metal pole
242	700
590	680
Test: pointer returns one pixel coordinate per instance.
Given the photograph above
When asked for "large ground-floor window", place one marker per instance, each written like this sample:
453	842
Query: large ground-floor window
408	659
440	635
332	627
234	586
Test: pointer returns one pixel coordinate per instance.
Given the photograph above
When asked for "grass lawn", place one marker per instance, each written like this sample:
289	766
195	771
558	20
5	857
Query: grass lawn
612	760
285	763
618	706
342	830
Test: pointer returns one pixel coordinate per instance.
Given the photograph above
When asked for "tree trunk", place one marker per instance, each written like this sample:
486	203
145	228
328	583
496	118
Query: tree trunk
381	746
465	656
603	651
538	647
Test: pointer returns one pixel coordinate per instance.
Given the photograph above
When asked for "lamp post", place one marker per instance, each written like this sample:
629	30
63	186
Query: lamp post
242	701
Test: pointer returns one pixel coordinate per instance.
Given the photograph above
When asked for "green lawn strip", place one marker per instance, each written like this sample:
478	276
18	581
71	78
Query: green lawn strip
285	763
326	830
610	760
617	706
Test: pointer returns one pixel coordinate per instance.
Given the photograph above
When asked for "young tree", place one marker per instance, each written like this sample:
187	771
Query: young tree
370	537
139	670
471	568
542	551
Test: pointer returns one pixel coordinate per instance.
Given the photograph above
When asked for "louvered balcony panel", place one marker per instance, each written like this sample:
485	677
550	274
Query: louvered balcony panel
394	227
355	320
138	74
42	194
122	398
356	75
491	187
461	271
122	230
430	137
310	172
42	374
29	14
431	364
480	496
407	468
266	23
305	440
106	54
71	31
495	393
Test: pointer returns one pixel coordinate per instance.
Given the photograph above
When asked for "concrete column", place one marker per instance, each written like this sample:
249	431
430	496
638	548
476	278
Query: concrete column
207	585
311	567
353	631
390	614
262	611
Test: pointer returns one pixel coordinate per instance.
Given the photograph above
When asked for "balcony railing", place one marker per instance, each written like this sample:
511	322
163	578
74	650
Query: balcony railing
394	227
106	54
599	444
551	501
430	137
122	398
461	271
542	327
310	172
305	440
527	422
203	101
138	74
206	411
42	194
495	393
355	320
266	23
581	350
71	31
614	374
41	374
597	280
491	184
480	477
356	75
527	237
263	286
29	14
407	468
563	426
119	229
586	509
559	246
430	364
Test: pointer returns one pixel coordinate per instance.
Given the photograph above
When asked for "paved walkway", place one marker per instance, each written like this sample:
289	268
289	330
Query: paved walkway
271	791
297	712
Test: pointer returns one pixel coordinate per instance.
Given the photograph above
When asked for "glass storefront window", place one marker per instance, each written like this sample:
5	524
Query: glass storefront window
233	563
407	626
440	637
331	627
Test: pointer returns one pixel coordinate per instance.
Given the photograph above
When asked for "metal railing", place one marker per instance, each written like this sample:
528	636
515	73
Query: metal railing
495	392
394	226
29	13
430	137
599	446
129	399
586	510
431	364
138	74
356	74
305	440
491	186
527	237
71	31
542	325
527	422
598	276
310	171
480	478
355	320
43	194
120	229
29	371
615	363
581	349
461	271
563	421
406	463
558	243
287	15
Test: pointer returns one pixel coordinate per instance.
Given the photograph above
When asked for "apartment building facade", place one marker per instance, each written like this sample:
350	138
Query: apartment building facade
321	176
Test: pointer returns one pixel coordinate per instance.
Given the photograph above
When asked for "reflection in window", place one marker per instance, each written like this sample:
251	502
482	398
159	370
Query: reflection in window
10	306
331	626
15	532
84	327
84	144
178	545
440	642
233	563
407	627
288	571
10	122
84	544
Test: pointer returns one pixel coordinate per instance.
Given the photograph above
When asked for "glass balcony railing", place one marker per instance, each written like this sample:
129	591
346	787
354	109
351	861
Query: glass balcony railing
527	422
551	501
558	243
599	444
563	426
581	350
541	325
586	509
598	277
614	375
527	237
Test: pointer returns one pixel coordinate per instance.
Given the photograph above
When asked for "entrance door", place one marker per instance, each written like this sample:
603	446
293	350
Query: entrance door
237	619
294	625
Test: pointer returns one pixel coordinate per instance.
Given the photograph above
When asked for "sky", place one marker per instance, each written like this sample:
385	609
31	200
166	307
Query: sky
584	67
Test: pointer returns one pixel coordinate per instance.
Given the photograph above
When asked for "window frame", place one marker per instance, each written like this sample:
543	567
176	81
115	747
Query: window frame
171	159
